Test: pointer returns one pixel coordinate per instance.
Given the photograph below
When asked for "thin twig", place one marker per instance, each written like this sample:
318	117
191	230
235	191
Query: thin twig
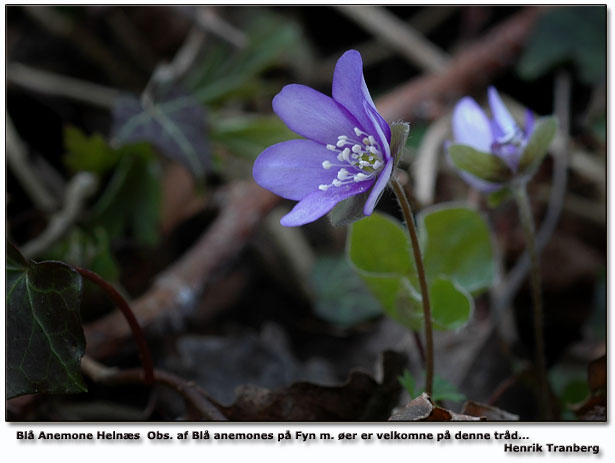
194	395
78	190
120	302
175	290
62	86
87	43
398	35
428	96
373	52
207	20
17	159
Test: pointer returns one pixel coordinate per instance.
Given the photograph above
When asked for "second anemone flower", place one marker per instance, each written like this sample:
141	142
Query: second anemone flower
346	151
490	153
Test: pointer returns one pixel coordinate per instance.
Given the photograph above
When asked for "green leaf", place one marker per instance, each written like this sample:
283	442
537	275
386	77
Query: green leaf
408	383
441	388
567	34
349	210
175	125
227	72
84	153
90	249
485	166
378	244
538	144
44	335
399	136
457	244
248	136
451	305
132	199
341	296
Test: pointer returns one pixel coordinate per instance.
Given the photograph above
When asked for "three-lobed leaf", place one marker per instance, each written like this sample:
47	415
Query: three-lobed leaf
456	243
175	125
44	335
458	259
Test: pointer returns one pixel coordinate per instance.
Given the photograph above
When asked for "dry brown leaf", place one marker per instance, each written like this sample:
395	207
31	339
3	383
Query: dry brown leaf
423	409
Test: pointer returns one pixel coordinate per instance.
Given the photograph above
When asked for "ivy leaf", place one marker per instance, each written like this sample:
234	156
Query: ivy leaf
44	335
485	166
457	244
175	125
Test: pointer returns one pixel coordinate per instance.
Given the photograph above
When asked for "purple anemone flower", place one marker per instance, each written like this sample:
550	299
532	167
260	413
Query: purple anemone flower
346	150
500	136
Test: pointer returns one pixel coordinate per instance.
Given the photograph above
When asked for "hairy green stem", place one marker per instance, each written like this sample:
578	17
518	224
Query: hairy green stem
120	302
527	223
418	259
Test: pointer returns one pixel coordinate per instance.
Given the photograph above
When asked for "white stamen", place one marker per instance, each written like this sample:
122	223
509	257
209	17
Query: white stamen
372	140
341	143
360	177
342	137
366	141
326	164
331	148
359	132
340	157
323	187
336	182
343	174
377	164
356	149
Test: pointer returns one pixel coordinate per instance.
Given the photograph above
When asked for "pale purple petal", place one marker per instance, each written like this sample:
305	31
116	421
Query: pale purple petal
293	169
379	135
529	123
349	89
379	186
319	203
313	114
471	126
500	113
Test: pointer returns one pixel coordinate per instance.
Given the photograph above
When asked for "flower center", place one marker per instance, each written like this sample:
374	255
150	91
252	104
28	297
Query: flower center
359	156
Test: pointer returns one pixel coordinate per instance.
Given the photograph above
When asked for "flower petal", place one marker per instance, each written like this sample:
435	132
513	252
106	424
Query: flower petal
293	169
471	126
319	203
501	115
350	90
379	187
380	135
529	123
312	114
